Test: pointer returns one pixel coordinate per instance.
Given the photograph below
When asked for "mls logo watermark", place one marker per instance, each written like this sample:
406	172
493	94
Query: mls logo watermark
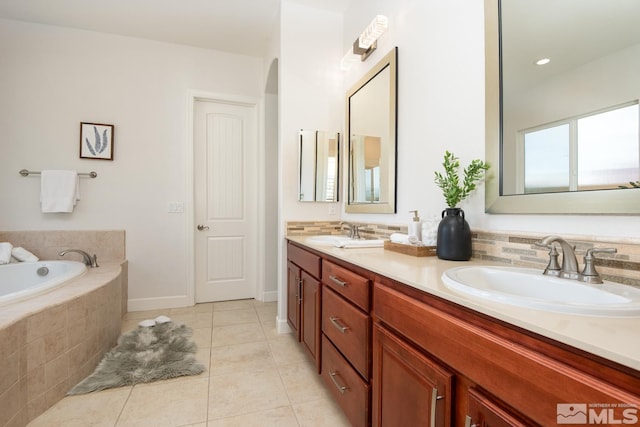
597	413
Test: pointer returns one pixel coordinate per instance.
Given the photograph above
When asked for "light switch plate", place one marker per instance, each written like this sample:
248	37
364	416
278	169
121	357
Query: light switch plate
176	207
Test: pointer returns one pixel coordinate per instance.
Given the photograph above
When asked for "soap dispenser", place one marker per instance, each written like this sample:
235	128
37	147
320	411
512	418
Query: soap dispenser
415	229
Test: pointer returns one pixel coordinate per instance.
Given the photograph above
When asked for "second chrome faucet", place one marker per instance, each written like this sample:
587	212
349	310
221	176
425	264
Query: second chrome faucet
569	269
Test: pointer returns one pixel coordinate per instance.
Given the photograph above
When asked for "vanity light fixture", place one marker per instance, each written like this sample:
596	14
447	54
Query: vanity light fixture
366	43
543	61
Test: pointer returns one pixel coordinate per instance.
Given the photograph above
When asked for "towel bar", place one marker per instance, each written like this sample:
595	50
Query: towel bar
25	172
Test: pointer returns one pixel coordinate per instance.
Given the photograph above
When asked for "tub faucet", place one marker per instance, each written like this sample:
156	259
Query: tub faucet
90	261
569	269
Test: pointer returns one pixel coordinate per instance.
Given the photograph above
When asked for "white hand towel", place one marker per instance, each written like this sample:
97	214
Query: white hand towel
370	243
5	252
21	254
59	190
404	239
399	238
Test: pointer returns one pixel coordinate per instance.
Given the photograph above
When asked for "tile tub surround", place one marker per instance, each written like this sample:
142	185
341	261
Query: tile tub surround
108	245
52	341
511	248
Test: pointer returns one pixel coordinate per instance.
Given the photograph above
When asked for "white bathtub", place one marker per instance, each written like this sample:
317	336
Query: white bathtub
26	279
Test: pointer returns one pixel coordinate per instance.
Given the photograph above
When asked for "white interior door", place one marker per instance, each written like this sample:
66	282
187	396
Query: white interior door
225	165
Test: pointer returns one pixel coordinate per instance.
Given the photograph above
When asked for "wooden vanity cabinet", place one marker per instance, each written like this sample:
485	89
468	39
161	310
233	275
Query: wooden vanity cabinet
346	339
393	355
501	375
409	388
304	298
483	411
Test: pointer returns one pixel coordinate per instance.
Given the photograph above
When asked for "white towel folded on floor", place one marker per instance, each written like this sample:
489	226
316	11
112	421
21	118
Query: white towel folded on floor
162	319
361	243
5	252
21	254
147	323
153	322
59	190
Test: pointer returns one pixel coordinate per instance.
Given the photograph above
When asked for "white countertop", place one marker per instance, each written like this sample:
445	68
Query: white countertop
614	338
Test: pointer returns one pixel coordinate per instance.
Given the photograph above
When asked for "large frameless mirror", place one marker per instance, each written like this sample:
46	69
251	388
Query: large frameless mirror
371	126
319	165
562	106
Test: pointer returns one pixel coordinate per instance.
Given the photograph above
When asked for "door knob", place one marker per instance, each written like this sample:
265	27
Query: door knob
202	227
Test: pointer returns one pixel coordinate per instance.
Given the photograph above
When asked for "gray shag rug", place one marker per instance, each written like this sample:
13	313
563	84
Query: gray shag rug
144	355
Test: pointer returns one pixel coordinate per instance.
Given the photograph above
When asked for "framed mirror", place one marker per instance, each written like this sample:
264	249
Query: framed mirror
547	137
319	166
371	107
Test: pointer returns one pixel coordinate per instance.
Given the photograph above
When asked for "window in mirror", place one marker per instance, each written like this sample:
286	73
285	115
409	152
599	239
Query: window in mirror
593	152
546	159
319	159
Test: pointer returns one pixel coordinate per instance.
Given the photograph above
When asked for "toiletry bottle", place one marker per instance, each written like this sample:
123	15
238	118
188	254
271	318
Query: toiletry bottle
415	229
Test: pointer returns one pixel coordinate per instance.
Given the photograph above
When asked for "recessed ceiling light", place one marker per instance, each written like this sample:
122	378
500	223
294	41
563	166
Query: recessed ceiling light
543	61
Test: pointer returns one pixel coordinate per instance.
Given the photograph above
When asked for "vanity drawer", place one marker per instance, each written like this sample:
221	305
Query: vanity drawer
346	386
304	259
349	329
347	283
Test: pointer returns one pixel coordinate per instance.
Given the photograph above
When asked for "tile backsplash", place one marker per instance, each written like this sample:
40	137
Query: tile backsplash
108	245
511	248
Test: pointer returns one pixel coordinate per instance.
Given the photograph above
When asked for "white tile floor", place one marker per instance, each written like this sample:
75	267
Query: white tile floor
255	377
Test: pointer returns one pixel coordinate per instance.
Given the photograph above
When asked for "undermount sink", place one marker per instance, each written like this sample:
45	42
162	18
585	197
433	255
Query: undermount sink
526	287
344	242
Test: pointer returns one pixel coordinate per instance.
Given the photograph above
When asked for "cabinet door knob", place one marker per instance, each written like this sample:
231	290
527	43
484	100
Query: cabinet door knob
202	227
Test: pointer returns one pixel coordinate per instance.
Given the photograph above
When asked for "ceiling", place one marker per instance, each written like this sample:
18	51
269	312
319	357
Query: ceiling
569	32
236	26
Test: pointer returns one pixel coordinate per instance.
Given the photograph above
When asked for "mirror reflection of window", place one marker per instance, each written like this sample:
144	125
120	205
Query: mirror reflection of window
546	160
592	152
366	161
609	147
318	163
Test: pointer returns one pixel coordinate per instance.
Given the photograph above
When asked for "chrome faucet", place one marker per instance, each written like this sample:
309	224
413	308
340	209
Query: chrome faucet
354	232
90	261
589	273
569	269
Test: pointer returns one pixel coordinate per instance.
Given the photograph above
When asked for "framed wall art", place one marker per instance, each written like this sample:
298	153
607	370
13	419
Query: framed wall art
96	141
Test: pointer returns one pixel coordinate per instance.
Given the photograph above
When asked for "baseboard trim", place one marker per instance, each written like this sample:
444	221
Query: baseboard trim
270	296
143	304
282	327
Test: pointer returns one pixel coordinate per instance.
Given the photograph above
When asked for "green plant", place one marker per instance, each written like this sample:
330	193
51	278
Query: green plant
454	191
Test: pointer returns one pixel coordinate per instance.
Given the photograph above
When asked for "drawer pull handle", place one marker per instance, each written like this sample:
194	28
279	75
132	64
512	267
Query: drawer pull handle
434	402
341	388
335	322
337	281
468	421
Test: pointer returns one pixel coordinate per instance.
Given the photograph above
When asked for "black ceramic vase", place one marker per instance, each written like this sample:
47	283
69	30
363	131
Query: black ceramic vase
454	236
